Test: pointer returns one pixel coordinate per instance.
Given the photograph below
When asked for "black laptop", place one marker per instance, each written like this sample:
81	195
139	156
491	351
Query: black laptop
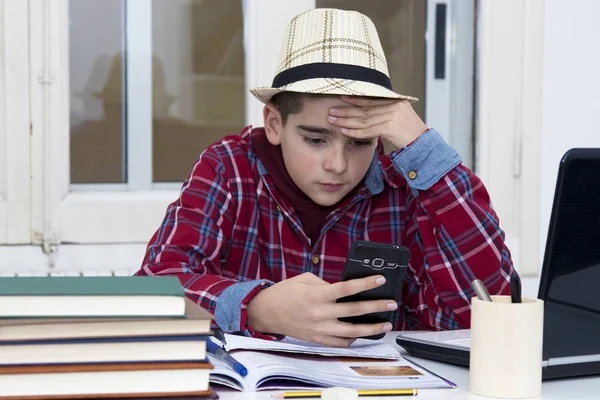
569	284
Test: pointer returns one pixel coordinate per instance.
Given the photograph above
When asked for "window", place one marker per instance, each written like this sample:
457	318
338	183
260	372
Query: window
146	97
173	77
121	97
152	83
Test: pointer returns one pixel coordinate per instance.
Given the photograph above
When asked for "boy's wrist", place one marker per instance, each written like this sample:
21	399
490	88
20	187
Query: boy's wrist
255	311
232	305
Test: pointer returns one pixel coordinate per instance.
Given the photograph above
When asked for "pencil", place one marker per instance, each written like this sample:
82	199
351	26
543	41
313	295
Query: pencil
374	392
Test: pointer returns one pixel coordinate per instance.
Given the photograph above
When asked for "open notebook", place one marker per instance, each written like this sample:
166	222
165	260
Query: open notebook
295	364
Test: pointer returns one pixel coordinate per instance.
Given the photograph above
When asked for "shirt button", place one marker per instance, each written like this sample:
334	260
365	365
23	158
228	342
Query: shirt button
315	260
412	174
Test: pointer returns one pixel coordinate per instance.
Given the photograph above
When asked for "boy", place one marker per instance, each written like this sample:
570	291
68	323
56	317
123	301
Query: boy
263	225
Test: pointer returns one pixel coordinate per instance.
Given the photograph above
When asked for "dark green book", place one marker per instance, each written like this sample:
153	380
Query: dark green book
101	297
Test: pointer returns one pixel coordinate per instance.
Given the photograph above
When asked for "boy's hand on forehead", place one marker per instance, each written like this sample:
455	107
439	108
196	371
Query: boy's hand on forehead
305	307
367	117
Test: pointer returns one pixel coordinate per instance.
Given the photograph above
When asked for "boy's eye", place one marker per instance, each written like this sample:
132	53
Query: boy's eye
361	143
314	141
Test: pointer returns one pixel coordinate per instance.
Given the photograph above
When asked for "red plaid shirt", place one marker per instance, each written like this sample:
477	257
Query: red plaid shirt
231	225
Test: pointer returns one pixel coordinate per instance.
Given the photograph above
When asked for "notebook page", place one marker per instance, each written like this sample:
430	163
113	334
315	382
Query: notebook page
362	348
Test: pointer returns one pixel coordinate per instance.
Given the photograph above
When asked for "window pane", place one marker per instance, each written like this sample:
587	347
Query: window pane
401	28
198	80
96	80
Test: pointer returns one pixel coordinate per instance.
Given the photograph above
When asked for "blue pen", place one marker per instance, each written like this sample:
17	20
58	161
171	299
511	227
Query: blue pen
215	349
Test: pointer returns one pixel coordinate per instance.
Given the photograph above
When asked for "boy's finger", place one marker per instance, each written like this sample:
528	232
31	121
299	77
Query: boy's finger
368	101
356	308
358	122
366	111
353	286
344	329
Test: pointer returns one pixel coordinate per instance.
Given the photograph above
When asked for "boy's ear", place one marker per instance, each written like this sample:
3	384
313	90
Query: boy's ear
273	125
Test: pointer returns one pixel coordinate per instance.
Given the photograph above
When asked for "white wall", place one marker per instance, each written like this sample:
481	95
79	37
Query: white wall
508	119
571	90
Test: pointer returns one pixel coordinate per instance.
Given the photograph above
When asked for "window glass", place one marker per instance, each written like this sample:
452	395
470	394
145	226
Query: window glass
97	134
199	92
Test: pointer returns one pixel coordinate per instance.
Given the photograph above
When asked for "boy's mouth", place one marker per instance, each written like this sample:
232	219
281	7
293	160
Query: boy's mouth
331	186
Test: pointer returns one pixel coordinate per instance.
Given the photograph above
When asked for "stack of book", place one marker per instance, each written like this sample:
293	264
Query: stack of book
101	337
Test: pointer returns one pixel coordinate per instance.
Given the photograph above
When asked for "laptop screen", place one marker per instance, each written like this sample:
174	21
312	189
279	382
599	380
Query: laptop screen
570	284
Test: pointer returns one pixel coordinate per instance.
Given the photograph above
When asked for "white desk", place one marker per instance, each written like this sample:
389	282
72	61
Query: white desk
565	389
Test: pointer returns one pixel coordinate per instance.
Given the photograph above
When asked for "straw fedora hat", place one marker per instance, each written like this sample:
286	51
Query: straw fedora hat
330	51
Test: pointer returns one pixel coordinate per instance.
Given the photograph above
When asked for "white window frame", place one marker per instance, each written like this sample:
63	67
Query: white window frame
138	17
14	124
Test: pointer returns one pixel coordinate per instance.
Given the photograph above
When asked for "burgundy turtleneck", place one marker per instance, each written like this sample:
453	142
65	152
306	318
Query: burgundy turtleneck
310	213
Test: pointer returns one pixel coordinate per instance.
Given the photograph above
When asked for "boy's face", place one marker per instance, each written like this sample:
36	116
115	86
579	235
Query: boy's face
322	162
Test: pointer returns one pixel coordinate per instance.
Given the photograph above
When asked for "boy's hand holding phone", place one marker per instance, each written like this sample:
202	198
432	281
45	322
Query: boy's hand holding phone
306	307
372	258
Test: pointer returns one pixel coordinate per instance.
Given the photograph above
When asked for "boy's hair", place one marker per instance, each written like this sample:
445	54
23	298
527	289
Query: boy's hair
288	103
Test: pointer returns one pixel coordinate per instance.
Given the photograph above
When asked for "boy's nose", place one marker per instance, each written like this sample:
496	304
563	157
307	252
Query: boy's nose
336	162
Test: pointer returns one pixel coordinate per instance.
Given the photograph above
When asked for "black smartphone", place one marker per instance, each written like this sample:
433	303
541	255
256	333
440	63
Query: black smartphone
372	258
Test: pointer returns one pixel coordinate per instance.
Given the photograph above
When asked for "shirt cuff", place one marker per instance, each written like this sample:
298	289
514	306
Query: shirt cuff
425	161
228	309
